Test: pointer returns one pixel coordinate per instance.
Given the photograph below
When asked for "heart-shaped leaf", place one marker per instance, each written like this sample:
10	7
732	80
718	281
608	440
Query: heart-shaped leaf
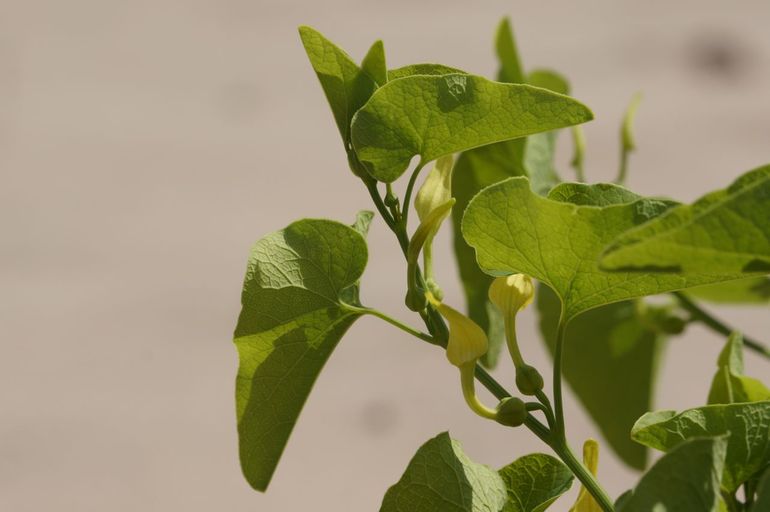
434	116
298	283
513	230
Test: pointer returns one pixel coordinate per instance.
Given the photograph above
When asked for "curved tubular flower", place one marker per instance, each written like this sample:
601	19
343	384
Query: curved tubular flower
467	343
511	294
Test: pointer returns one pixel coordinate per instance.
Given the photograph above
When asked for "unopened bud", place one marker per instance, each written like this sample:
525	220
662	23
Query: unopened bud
511	412
528	379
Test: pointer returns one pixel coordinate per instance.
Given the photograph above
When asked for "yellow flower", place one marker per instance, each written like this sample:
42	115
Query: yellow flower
467	341
511	294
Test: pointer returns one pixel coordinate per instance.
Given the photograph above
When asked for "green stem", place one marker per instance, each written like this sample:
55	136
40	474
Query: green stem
510	338
557	371
371	186
716	325
579	141
621	179
582	474
408	195
392	321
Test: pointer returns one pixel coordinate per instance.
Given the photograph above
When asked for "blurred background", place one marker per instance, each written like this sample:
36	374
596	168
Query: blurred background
145	145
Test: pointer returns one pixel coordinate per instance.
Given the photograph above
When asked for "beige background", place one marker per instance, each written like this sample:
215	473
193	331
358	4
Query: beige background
145	145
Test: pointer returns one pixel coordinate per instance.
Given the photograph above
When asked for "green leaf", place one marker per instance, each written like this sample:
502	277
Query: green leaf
514	230
686	479
507	54
297	284
726	232
534	482
729	384
440	477
610	360
762	502
754	290
374	64
422	69
748	447
345	85
433	116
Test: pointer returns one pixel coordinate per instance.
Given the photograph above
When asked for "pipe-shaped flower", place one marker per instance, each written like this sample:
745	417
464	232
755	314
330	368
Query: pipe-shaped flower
467	341
511	294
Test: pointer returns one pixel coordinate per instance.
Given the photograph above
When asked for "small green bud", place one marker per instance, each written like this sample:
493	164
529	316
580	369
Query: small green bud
415	298
528	380
391	200
511	412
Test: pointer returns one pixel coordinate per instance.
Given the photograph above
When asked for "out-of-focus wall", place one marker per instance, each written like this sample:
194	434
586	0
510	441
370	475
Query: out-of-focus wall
145	145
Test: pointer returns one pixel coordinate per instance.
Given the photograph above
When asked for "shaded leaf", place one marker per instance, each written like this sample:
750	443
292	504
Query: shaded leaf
297	283
686	479
345	85
610	360
433	116
762	501
726	232
748	426
729	384
513	230
440	477
534	482
754	290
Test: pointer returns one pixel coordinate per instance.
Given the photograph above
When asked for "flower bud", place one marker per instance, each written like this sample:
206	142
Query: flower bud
528	379
436	189
511	412
467	341
511	294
